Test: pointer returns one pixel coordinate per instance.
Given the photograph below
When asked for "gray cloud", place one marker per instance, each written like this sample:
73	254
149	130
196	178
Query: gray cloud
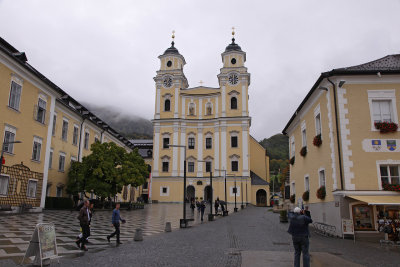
106	51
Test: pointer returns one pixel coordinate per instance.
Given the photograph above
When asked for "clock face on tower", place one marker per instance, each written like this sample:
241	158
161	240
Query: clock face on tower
167	81
233	79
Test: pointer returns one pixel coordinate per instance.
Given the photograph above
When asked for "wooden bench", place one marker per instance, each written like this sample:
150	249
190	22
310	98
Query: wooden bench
5	207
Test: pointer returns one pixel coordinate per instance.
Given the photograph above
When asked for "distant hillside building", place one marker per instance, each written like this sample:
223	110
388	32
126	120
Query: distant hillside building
213	125
344	137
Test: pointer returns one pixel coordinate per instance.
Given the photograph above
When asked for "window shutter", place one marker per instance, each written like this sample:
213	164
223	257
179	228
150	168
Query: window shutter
35	112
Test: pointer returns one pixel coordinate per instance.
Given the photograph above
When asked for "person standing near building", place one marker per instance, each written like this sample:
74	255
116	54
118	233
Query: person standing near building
298	228
91	211
216	205
202	209
116	218
84	220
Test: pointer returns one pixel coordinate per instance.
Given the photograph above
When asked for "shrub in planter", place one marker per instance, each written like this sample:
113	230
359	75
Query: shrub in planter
303	151
293	198
386	127
306	195
291	160
317	140
321	192
391	187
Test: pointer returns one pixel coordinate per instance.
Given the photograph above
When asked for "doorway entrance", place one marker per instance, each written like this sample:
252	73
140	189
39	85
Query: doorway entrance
261	198
207	193
190	192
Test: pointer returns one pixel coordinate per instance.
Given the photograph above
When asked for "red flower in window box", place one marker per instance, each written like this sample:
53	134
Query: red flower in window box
321	192
386	127
391	187
317	140
306	195
293	198
303	151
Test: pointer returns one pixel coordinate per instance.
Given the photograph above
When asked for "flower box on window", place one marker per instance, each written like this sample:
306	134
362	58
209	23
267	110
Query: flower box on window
317	140
293	198
321	192
386	127
291	161
391	187
306	195
303	151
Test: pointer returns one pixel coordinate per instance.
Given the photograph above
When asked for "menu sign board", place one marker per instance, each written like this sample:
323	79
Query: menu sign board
347	227
47	240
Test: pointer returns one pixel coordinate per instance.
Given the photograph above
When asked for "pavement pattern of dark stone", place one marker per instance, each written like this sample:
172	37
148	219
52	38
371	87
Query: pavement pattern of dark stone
222	243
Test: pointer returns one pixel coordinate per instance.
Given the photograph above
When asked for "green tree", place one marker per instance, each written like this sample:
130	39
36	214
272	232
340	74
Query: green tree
106	170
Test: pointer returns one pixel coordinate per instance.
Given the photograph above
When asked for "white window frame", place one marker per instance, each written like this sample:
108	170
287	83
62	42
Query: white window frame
96	138
38	106
191	135
65	120
292	188
38	140
194	166
167	97
379	163
86	141
8	184
27	188
292	147
307	182
162	194
53	130
165	159
73	159
319	177
13	130
382	95
303	134
75	137
19	82
317	112
61	155
235	158
59	187
234	134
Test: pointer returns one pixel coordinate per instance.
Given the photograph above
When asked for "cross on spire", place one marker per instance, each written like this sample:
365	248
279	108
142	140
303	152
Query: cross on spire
201	83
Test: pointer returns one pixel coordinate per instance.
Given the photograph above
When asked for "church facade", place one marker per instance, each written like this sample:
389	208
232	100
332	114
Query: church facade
209	127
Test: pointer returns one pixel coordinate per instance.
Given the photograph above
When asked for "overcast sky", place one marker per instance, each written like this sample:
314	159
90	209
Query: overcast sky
105	52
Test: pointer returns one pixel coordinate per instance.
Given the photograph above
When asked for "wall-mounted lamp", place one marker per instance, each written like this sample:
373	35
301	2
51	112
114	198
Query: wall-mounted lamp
341	83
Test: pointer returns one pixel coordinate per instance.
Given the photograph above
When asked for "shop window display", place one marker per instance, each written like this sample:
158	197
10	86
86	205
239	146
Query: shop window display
363	218
389	222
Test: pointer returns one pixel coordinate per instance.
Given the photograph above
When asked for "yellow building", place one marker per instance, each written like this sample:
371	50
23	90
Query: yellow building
213	126
355	159
54	130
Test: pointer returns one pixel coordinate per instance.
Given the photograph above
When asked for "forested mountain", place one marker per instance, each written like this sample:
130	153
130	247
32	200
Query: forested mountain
131	127
278	151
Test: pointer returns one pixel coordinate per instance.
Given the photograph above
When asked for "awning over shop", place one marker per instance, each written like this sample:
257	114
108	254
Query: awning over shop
378	200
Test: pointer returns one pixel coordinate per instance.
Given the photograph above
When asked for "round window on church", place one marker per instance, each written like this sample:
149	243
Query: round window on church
169	63
233	61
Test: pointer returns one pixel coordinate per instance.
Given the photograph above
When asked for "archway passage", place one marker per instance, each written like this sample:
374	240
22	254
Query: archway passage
261	198
207	193
190	192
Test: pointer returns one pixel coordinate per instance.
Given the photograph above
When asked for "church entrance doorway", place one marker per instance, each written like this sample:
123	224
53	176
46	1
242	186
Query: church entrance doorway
207	193
261	198
190	193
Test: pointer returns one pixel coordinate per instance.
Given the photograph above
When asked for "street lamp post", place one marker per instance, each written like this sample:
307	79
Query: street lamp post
183	222
226	199
235	209
241	188
2	151
210	216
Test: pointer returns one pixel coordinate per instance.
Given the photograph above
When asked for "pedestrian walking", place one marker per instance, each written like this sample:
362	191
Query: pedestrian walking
91	211
116	218
216	205
198	205
192	206
84	220
298	228
202	209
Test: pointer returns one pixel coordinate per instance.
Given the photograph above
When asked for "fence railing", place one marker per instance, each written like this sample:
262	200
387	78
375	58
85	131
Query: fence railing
324	229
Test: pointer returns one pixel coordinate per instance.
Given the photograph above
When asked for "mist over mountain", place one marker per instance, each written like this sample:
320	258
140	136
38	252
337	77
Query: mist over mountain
130	126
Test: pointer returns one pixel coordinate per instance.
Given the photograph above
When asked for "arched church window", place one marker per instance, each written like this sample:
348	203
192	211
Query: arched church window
209	109
191	109
167	105
233	103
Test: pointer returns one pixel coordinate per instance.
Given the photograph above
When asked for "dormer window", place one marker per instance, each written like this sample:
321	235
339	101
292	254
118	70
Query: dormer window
167	105
233	102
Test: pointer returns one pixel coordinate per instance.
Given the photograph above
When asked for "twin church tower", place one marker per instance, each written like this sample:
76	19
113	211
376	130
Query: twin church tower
213	124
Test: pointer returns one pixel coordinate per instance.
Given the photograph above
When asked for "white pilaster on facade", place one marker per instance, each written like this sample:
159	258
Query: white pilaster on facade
158	102
200	108
156	152
223	101
216	107
244	98
183	107
345	132
183	143
175	151
331	139
216	151
81	141
223	148
47	154
176	104
200	150
245	146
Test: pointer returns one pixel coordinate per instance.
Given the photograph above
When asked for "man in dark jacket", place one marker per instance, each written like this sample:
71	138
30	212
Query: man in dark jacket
84	220
298	228
115	222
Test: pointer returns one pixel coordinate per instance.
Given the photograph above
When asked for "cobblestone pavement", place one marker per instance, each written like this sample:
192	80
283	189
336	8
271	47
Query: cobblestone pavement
16	230
252	237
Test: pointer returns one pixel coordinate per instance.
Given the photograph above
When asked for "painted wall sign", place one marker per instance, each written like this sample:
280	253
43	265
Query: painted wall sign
380	145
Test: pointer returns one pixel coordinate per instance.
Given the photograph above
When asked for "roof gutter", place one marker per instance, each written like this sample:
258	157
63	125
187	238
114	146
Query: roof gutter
337	133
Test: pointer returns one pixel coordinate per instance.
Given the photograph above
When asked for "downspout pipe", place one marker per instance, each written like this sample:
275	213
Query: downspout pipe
337	134
80	139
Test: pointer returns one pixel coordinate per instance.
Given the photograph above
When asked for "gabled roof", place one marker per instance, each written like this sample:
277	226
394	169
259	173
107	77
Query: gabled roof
257	180
387	65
